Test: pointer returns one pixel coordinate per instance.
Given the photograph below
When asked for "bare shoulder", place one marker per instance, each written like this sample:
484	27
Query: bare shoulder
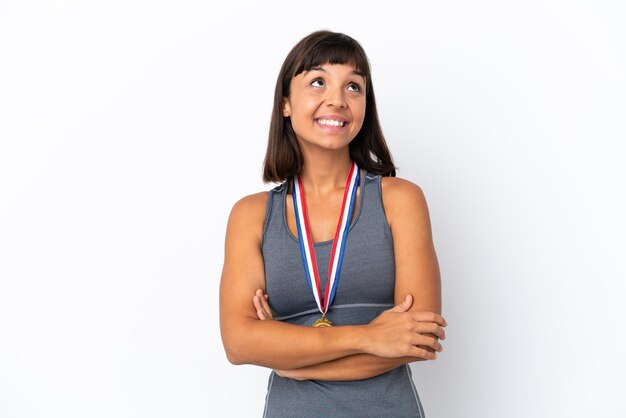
400	194
250	205
248	213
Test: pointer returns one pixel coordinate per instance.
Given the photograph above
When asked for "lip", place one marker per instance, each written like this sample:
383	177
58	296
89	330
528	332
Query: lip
338	118
332	129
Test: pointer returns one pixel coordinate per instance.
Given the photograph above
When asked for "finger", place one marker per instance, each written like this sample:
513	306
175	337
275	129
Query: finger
439	334
425	316
258	308
266	307
426	341
263	297
430	342
261	312
403	306
422	353
430	328
425	347
257	302
264	300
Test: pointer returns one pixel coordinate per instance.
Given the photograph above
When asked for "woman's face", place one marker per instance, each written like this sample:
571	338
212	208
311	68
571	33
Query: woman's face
326	105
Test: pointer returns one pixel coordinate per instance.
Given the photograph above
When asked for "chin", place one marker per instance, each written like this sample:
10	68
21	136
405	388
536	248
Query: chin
332	146
327	143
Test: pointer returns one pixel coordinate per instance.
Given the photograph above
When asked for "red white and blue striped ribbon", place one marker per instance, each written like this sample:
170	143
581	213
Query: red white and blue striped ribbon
339	244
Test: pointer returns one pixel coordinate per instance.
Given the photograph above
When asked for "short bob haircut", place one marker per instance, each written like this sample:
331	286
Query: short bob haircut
368	149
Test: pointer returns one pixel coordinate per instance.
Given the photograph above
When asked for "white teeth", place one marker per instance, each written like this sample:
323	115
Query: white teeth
330	122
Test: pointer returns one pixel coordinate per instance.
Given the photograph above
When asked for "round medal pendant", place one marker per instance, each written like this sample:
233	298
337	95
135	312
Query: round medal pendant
323	322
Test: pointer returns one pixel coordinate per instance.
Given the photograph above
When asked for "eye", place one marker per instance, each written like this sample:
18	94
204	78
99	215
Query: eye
355	87
317	80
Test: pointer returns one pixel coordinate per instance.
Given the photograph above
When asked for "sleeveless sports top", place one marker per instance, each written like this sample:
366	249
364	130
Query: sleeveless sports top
365	289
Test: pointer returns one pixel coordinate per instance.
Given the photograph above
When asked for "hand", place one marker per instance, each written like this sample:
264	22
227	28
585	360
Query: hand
397	332
263	310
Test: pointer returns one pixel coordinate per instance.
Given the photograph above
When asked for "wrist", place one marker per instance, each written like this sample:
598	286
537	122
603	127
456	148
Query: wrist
362	339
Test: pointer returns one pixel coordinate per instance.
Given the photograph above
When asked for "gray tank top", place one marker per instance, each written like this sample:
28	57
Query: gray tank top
365	289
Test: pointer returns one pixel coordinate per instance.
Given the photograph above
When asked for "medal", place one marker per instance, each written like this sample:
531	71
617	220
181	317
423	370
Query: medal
323	322
307	250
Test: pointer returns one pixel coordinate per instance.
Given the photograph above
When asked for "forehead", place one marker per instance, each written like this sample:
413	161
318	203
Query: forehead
335	69
331	51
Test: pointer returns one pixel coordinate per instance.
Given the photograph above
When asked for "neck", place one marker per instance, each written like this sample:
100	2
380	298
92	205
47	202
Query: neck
325	172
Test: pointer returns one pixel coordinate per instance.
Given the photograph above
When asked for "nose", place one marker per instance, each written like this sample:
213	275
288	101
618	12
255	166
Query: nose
336	97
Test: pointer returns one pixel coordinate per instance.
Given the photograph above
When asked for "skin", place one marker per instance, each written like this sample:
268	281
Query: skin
408	332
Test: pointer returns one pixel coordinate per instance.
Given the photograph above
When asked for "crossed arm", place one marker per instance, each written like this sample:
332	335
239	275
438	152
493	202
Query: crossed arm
408	332
354	367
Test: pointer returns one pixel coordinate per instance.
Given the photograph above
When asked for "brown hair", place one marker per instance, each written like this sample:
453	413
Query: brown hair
368	149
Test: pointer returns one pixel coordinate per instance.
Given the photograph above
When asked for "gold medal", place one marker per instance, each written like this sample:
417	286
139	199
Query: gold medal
323	322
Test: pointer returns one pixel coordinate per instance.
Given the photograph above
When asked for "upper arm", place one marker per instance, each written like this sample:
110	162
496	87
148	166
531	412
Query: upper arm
243	270
417	269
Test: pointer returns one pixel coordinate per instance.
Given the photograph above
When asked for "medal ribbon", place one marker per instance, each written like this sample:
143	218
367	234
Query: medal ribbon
339	244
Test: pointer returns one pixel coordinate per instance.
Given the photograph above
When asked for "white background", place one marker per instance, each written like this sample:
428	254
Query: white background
129	128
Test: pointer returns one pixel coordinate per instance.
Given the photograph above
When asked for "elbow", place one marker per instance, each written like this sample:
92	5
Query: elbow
234	359
238	342
236	353
232	354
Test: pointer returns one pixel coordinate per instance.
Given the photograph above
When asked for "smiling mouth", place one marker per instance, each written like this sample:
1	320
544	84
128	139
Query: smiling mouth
330	122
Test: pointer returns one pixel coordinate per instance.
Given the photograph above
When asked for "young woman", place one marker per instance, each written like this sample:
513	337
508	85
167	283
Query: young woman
331	278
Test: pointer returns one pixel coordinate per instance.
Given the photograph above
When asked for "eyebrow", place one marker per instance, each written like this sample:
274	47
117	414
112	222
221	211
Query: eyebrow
355	72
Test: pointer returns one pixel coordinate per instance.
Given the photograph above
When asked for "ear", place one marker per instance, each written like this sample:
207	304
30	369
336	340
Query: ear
286	107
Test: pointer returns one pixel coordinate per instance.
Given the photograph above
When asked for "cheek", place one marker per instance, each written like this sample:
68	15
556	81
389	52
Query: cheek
304	109
359	112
